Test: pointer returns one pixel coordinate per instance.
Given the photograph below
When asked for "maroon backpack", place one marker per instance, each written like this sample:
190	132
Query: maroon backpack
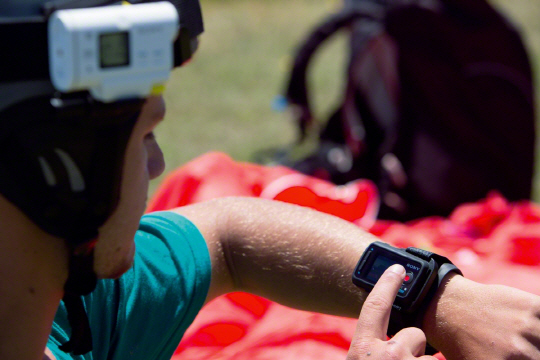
438	108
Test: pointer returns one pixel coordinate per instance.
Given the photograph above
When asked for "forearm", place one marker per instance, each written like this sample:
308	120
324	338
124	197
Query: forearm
290	254
296	256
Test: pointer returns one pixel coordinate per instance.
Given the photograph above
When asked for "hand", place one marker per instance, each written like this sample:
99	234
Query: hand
369	341
471	321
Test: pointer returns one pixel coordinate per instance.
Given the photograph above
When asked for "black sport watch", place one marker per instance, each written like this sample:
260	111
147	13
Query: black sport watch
424	273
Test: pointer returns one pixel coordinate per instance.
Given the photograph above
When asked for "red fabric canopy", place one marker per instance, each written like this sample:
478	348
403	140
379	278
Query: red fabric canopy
491	241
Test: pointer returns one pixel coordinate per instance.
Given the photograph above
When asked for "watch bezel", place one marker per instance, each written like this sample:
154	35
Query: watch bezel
415	291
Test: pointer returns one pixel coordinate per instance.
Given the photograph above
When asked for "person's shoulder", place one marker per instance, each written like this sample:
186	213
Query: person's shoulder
169	234
166	224
163	216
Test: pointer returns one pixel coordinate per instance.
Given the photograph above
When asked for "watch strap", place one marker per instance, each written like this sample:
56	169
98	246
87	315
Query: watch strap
399	319
428	255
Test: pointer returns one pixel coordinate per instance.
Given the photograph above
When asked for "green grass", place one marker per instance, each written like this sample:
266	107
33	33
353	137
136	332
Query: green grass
222	99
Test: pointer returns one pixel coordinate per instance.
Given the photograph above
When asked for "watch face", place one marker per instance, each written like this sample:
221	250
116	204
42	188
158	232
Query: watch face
378	267
381	262
379	256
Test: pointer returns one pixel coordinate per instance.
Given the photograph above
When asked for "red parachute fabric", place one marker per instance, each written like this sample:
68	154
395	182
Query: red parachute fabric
492	241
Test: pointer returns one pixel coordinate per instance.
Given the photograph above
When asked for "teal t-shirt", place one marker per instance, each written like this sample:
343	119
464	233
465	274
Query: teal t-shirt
144	314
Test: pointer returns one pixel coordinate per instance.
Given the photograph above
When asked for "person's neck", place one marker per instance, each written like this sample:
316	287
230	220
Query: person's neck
34	267
48	355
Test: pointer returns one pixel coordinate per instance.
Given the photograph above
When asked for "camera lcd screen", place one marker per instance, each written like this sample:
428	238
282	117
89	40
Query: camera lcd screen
114	49
380	264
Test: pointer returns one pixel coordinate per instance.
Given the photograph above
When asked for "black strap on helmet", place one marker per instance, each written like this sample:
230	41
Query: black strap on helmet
81	281
80	341
191	26
25	43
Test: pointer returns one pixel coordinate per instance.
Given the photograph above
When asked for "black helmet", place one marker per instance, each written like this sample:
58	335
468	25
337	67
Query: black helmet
62	153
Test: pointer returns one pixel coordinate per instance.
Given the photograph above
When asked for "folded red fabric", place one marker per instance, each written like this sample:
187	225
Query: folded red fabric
491	241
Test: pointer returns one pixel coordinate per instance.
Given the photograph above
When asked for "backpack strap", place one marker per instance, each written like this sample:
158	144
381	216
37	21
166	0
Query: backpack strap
297	93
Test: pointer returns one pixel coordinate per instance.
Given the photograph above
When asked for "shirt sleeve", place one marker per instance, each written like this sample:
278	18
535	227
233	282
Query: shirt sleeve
144	314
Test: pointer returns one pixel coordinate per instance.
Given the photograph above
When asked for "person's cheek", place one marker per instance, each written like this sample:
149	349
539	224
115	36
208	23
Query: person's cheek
156	162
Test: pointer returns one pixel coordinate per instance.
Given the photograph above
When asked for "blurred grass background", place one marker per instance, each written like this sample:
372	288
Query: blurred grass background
222	100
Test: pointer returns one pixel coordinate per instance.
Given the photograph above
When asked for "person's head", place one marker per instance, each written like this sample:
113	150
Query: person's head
76	159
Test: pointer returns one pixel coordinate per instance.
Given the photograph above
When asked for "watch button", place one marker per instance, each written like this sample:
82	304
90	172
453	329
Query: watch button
408	277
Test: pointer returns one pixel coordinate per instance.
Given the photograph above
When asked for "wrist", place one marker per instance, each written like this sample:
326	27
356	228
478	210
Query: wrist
443	309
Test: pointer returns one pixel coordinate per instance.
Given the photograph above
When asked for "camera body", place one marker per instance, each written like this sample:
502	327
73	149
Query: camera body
114	52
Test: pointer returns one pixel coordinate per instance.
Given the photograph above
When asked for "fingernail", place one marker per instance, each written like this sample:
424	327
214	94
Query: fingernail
398	269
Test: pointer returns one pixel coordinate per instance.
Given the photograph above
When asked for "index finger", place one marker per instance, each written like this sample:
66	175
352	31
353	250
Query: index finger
375	313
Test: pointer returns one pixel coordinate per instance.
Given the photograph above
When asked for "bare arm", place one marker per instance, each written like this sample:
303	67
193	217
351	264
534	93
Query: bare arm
304	259
290	254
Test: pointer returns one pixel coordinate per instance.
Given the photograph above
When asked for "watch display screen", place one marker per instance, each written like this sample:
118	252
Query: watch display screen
378	267
420	273
114	49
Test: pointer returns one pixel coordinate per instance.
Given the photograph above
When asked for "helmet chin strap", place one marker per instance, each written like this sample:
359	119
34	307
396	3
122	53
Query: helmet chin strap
81	281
